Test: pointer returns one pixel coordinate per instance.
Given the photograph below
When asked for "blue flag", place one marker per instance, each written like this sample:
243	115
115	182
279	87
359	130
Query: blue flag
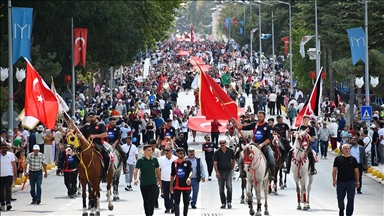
242	27
21	33
227	21
357	42
265	36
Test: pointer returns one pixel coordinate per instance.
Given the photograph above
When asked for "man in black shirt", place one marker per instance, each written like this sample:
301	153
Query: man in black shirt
311	132
96	132
113	138
167	131
285	135
209	148
345	166
224	163
181	142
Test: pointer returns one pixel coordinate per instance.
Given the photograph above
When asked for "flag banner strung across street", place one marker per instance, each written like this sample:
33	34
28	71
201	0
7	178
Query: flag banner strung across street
21	33
80	46
215	103
201	124
312	105
192	35
40	102
265	36
286	44
304	40
357	42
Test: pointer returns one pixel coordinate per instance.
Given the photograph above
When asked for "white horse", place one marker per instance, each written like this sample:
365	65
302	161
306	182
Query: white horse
118	167
257	176
300	169
233	143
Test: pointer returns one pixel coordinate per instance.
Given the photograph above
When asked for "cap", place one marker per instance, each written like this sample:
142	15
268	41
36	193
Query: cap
333	119
36	147
191	149
120	100
373	126
3	131
40	128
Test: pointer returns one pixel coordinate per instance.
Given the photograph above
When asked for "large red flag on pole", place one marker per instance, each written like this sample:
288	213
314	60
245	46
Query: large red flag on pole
40	102
214	101
192	35
286	42
80	45
312	105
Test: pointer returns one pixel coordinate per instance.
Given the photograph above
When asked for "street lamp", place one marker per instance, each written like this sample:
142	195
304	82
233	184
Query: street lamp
359	82
20	76
251	57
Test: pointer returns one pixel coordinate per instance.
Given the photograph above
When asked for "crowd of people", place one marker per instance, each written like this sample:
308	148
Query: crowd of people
142	110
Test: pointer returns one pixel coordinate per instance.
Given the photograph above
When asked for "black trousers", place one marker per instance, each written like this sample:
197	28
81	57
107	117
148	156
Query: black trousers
6	189
147	192
278	108
177	195
70	181
209	165
360	166
215	137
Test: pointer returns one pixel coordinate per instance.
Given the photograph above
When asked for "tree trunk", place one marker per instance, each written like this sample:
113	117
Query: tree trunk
351	98
331	79
325	93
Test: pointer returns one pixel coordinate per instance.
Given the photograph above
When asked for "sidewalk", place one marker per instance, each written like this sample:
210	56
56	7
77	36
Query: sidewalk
18	187
374	172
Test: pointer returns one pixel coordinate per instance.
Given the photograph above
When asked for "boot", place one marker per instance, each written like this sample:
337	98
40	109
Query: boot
123	159
288	165
272	171
105	171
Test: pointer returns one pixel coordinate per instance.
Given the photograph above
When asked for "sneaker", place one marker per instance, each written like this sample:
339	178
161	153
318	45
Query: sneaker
172	210
9	207
13	199
222	206
167	211
2	208
193	206
38	202
325	157
229	205
359	192
127	188
72	196
126	171
33	202
209	178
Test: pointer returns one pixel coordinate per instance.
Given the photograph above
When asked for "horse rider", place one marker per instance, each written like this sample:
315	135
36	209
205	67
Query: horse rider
262	136
285	133
113	138
311	132
96	132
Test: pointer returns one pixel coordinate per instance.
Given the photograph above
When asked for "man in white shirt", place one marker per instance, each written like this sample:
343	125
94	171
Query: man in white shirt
176	125
381	141
272	103
132	156
333	129
165	163
8	173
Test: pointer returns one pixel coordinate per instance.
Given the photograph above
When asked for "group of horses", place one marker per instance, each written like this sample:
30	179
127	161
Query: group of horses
251	160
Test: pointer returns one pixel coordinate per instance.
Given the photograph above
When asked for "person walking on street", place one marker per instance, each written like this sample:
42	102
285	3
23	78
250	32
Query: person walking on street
165	163
149	178
215	131
209	149
34	164
358	152
180	184
197	176
132	155
68	165
8	173
346	170
324	136
224	163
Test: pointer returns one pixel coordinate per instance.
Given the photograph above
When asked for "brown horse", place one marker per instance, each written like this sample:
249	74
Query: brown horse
90	170
275	145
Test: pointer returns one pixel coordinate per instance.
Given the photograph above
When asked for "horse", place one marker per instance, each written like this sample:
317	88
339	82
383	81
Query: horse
233	143
118	167
300	169
276	145
90	169
255	165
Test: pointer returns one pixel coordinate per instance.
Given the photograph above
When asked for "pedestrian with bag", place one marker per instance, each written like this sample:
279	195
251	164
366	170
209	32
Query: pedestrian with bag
132	154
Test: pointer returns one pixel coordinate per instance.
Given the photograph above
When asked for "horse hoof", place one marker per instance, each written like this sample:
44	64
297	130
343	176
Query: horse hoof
252	212
276	193
285	185
269	191
110	207
305	208
79	193
266	212
309	207
258	214
91	214
85	214
97	213
242	201
298	207
115	198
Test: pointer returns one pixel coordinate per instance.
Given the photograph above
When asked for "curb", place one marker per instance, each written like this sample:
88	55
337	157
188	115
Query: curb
18	187
369	175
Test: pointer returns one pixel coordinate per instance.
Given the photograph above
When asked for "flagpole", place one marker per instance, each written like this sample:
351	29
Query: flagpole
10	74
73	71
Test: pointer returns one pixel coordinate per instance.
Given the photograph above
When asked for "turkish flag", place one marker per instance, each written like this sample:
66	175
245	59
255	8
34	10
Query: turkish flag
312	105
40	102
161	83
79	45
286	42
186	35
192	35
214	101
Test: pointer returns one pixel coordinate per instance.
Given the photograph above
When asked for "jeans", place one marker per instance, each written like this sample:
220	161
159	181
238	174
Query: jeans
35	180
195	190
129	175
177	196
147	192
315	145
269	153
342	189
324	147
215	137
6	189
209	162
168	197
225	179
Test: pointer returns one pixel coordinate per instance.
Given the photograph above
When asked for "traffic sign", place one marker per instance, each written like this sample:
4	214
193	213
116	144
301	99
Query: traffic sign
366	113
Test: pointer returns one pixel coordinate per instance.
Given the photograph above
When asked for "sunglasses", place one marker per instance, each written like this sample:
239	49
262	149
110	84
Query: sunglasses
222	143
167	150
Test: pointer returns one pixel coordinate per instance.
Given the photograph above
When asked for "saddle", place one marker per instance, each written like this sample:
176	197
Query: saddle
100	155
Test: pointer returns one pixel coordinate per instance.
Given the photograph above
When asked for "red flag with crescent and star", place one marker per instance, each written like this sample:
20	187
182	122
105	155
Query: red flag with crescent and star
40	102
286	42
192	35
80	45
214	101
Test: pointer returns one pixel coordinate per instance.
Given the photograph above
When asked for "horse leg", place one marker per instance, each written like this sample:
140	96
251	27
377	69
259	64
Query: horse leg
258	195
84	195
109	182
281	178
298	194
115	187
266	212
306	204
96	197
270	187
243	187
79	188
249	194
285	180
